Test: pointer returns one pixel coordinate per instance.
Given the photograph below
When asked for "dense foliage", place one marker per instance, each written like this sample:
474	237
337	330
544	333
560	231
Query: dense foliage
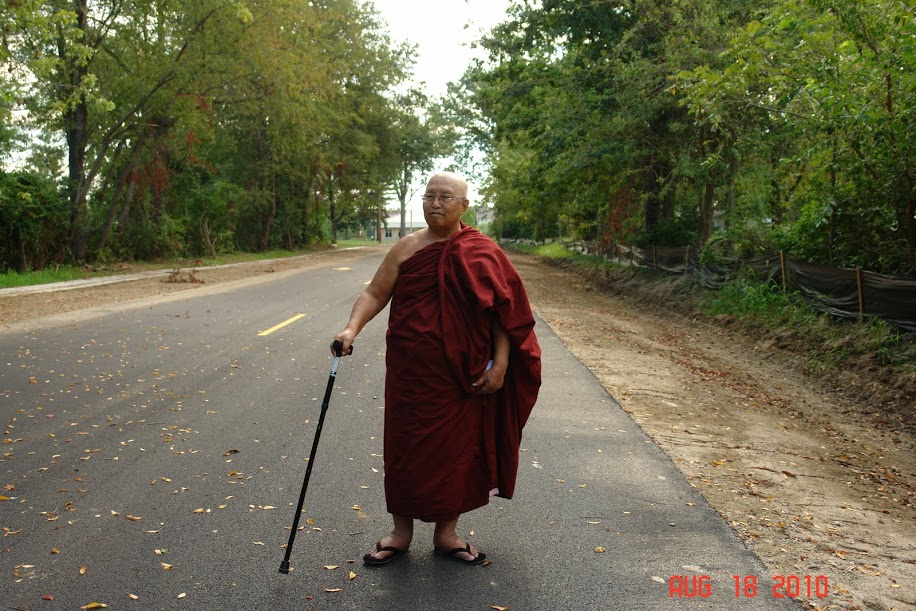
155	128
736	125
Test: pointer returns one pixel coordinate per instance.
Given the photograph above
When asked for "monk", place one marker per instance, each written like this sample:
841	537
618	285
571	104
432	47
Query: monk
463	371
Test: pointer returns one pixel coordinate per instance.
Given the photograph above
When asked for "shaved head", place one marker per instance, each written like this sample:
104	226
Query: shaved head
457	183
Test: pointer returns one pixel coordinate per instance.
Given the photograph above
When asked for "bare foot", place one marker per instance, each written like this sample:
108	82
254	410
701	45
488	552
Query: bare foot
468	553
386	549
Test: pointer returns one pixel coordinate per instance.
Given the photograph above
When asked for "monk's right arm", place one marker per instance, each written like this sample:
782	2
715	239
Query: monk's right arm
366	307
372	300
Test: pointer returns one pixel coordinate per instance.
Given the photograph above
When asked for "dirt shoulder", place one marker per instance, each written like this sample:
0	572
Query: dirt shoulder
803	475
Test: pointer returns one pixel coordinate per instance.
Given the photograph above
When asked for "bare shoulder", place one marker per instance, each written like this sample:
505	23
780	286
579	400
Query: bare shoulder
404	248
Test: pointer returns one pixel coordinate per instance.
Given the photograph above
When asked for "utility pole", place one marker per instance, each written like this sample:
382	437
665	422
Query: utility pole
378	227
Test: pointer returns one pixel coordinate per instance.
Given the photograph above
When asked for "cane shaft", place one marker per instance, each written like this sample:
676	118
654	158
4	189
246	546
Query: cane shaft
284	566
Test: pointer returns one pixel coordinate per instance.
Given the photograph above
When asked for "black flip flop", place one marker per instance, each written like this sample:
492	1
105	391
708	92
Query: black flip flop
452	554
372	560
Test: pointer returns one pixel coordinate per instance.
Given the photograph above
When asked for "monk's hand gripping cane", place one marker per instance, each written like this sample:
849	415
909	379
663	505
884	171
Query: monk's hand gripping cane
337	347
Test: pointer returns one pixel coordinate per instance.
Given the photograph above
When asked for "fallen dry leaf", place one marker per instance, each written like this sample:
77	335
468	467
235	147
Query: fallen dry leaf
600	550
134	518
231	452
83	570
331	567
166	566
4	498
333	590
95	605
498	608
182	595
47	597
133	597
351	576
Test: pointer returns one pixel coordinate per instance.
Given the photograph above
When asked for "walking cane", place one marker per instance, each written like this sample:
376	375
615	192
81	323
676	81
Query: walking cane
337	347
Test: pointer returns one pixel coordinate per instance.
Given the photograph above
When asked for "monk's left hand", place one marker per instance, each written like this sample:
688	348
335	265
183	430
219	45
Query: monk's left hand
490	381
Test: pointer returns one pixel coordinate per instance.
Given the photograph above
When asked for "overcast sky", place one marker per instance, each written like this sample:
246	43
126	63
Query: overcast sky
443	31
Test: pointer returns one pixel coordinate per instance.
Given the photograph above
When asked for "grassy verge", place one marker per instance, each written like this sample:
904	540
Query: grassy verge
556	251
833	342
44	276
70	272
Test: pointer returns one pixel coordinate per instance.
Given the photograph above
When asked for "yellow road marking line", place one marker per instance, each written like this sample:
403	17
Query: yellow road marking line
281	325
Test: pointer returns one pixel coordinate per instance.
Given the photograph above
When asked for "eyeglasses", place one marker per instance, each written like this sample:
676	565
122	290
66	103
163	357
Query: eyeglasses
429	198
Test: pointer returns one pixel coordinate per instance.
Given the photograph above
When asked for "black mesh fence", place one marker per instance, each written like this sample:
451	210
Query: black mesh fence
849	293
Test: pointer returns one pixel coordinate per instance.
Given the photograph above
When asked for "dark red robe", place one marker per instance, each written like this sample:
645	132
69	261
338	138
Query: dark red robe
448	449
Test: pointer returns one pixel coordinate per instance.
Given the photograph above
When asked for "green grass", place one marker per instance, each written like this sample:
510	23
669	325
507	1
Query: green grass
764	305
69	272
352	243
558	252
832	342
45	276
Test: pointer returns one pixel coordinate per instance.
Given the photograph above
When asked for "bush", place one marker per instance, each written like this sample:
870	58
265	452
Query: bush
34	221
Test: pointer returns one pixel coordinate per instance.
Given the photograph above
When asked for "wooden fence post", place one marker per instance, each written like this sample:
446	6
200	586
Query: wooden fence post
861	292
782	265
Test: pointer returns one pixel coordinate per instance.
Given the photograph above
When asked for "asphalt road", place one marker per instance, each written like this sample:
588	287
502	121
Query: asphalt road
156	453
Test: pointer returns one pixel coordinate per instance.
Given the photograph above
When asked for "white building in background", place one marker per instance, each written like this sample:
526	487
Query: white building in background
412	222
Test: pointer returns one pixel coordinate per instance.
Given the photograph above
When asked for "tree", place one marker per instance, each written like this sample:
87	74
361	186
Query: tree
830	85
417	141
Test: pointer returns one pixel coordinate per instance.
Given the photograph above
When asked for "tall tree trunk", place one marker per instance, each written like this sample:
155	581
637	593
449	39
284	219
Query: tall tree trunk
833	201
651	208
159	167
332	209
706	210
116	195
76	120
264	238
128	200
908	222
112	209
709	196
403	187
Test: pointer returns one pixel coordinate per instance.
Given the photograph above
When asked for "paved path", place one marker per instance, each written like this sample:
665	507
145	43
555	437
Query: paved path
161	446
